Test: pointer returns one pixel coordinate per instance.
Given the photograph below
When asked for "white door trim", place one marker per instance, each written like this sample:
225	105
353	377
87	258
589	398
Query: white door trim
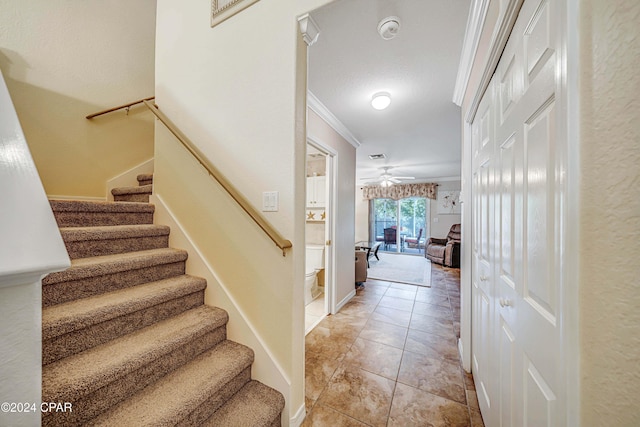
330	224
466	254
475	24
501	33
568	31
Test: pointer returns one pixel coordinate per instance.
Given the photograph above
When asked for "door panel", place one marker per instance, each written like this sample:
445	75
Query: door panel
482	292
508	391
539	399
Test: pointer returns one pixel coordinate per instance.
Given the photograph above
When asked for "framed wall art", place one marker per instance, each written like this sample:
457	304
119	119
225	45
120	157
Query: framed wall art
225	9
448	202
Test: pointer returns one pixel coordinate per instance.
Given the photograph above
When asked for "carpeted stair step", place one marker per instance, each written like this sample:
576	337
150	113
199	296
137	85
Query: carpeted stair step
145	179
99	378
255	405
76	326
188	395
132	194
97	275
106	240
76	213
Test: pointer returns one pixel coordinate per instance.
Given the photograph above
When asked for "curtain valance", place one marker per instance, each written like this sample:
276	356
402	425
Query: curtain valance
400	191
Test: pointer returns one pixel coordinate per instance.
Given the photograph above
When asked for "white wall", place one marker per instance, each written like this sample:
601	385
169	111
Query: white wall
609	212
66	59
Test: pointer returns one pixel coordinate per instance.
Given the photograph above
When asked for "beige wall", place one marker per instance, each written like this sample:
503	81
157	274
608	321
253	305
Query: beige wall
64	60
444	222
238	90
362	216
610	212
320	131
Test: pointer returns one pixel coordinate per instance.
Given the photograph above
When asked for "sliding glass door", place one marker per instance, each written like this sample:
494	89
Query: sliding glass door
400	225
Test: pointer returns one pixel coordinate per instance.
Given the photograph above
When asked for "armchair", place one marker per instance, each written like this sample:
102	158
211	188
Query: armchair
414	242
445	251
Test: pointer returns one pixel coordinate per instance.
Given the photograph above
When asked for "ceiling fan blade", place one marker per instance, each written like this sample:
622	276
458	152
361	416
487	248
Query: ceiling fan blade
404	177
394	180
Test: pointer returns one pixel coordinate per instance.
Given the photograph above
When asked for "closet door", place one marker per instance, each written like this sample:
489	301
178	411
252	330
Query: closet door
483	218
518	187
529	287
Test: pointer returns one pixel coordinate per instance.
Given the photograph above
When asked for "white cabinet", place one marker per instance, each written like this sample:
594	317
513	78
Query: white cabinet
316	191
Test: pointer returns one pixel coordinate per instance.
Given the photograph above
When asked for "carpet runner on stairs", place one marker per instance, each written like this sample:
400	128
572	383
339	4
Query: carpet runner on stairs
126	337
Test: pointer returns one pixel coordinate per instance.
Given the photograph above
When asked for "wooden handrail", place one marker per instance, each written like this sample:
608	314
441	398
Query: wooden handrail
99	113
280	241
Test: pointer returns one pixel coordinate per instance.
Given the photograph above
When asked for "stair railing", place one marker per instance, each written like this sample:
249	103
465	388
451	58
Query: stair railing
258	218
120	107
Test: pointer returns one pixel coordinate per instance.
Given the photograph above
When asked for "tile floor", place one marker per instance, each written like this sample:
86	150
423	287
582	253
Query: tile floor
390	358
313	312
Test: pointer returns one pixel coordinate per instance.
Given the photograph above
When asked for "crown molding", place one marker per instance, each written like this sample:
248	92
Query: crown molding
325	114
475	25
309	29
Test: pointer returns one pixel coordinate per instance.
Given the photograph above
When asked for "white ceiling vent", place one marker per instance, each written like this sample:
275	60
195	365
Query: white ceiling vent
377	156
389	27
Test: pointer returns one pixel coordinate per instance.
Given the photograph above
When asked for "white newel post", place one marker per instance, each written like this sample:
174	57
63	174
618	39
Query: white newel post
30	248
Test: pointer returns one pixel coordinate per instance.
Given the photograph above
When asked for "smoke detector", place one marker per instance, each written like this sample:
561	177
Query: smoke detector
388	27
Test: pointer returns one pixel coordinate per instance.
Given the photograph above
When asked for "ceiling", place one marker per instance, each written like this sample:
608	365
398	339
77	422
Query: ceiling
420	131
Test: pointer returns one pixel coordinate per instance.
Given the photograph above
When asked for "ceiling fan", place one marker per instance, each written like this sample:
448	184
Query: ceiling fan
386	179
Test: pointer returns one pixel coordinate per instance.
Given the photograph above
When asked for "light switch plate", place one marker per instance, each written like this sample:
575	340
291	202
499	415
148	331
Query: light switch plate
269	201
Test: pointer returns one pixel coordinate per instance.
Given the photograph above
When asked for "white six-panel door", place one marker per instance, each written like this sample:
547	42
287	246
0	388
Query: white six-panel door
518	163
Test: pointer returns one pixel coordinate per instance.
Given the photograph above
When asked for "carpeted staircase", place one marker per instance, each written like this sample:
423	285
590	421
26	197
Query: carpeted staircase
127	338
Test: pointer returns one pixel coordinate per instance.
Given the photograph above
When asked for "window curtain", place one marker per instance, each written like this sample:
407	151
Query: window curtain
400	191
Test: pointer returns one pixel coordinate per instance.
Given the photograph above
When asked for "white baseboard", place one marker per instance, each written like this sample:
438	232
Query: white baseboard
345	300
298	418
128	178
461	351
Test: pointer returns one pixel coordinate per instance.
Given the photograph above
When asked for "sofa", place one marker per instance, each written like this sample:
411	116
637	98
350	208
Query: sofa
445	251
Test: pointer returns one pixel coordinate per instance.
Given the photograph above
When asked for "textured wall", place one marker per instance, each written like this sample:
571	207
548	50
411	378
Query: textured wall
610	212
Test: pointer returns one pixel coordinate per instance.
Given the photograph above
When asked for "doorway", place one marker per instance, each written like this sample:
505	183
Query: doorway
400	225
319	233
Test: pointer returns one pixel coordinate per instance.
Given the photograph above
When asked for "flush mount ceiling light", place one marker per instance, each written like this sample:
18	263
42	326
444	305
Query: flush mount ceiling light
380	100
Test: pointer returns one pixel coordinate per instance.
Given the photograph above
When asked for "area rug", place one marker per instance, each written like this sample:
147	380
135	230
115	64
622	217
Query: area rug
415	270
